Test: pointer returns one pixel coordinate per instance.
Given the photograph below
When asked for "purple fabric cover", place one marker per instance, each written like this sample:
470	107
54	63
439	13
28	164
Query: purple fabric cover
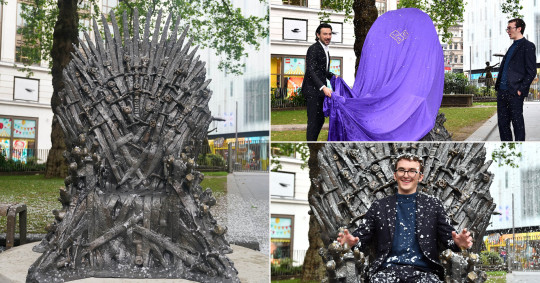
399	84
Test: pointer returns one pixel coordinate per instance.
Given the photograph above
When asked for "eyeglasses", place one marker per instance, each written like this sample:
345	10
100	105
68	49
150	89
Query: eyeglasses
509	28
401	172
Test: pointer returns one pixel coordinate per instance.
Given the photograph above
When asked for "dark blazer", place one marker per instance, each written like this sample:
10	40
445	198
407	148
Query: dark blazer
432	228
521	68
316	74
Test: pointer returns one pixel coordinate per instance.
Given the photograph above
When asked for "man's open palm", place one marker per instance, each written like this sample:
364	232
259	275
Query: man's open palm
463	239
346	237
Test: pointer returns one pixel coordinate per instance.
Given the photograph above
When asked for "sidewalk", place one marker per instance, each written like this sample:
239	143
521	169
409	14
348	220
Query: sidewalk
489	131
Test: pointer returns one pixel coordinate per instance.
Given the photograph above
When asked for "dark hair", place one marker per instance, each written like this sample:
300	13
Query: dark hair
410	157
321	26
519	24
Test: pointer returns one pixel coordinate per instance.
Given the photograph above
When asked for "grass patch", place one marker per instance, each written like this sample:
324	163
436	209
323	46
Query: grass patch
217	181
287	117
218	173
463	121
460	121
296	135
294	280
496	276
488	103
39	194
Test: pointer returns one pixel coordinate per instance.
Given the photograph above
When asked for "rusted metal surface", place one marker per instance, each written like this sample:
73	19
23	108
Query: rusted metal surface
135	115
353	175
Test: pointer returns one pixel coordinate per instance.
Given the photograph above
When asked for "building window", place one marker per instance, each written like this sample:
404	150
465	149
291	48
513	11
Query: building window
295	2
18	137
281	237
23	51
108	5
287	74
381	6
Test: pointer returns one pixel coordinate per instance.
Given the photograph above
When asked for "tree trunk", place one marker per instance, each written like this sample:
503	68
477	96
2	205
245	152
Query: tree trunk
313	266
65	35
365	14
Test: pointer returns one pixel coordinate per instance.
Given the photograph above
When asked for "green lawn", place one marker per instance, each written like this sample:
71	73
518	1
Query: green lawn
287	117
461	121
41	196
217	181
496	277
293	281
296	135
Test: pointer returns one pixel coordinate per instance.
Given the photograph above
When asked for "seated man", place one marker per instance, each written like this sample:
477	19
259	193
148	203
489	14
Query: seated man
407	228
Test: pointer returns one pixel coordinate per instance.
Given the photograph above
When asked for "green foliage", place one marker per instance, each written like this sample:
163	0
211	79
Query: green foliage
455	83
444	14
506	154
214	24
9	165
336	6
490	258
211	160
289	149
285	267
512	9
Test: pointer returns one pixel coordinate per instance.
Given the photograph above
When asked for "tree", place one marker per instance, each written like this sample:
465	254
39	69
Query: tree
444	14
506	154
214	24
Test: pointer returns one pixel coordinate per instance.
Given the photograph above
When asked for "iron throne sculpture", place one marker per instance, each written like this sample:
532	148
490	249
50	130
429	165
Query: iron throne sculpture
352	176
135	114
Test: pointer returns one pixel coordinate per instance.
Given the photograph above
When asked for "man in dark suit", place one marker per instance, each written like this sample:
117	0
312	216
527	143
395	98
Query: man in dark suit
407	228
314	85
517	71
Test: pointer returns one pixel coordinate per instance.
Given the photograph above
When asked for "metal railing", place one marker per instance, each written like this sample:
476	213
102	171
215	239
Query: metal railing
287	266
251	156
23	160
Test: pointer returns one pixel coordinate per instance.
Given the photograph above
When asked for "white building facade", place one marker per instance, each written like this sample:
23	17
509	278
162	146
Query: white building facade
289	222
293	24
242	100
485	34
25	111
523	183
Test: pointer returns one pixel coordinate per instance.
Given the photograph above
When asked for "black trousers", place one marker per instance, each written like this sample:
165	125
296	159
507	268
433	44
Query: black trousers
510	111
404	274
315	116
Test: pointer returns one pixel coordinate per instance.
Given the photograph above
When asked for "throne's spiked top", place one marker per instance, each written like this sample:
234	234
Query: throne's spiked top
135	114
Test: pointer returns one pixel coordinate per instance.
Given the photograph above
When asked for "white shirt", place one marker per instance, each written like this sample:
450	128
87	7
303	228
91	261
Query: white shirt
326	50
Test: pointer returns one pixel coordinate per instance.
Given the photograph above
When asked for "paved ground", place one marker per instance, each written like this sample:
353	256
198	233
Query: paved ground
252	266
246	211
489	131
523	277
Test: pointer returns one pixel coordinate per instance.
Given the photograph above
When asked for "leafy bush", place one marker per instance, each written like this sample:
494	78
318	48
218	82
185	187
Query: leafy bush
285	267
455	83
9	165
490	258
211	160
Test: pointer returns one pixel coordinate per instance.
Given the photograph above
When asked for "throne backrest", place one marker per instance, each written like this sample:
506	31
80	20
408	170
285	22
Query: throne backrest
353	175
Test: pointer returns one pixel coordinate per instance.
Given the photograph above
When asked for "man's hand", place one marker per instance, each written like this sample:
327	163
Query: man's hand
346	237
463	239
519	93
327	91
